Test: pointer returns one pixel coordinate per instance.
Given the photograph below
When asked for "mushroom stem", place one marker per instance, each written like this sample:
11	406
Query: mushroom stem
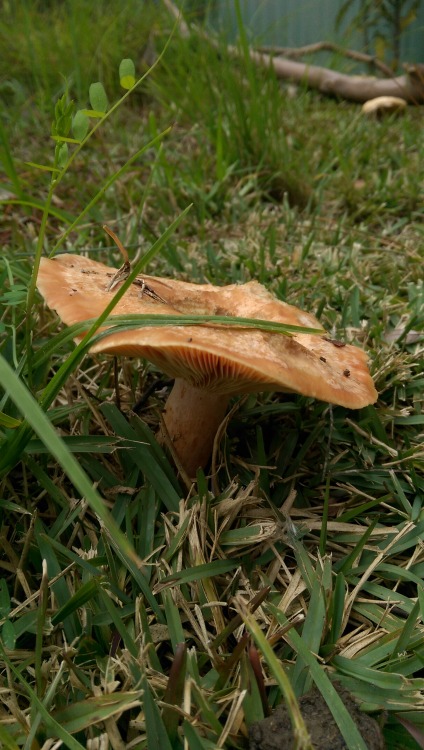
192	417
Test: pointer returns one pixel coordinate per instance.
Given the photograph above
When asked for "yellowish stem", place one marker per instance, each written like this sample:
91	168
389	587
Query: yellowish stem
192	417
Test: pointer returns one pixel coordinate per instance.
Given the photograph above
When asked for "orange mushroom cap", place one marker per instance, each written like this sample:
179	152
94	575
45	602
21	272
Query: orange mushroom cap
223	359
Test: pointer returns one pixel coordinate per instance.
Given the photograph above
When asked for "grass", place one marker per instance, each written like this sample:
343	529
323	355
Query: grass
136	611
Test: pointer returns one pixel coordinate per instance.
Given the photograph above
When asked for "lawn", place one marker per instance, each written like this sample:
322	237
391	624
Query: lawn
139	609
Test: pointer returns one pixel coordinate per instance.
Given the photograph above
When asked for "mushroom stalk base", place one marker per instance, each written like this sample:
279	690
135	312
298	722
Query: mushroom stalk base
192	417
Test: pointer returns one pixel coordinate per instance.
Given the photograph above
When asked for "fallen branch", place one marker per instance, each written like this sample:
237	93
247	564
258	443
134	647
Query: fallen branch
355	88
409	86
310	49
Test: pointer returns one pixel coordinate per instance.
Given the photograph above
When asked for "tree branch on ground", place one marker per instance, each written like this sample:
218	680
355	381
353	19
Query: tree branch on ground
355	88
311	49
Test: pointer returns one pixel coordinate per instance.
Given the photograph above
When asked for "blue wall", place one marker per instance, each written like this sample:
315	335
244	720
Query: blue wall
294	23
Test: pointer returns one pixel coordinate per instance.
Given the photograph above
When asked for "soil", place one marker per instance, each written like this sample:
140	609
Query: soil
275	732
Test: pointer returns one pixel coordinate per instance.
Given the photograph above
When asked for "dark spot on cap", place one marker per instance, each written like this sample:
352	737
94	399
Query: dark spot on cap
335	342
346	373
323	359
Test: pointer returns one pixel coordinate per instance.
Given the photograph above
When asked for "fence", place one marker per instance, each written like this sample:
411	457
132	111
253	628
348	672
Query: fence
295	23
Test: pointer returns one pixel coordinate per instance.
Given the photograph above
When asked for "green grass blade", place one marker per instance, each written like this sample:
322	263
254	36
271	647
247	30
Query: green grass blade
205	570
130	321
312	635
96	709
157	736
173	620
127	640
195	741
84	594
301	736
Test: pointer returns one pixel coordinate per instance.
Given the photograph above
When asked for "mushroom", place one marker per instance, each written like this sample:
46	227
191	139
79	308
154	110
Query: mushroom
384	105
210	362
